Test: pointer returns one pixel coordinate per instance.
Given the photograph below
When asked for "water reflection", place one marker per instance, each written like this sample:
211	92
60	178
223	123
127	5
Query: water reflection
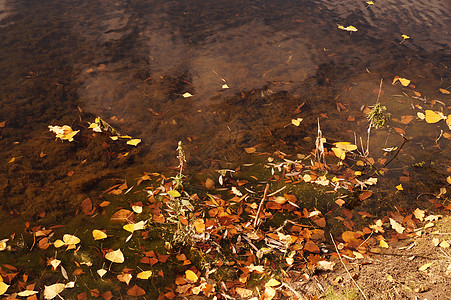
130	62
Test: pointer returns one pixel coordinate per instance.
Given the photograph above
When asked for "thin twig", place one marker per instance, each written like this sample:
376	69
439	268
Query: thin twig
341	260
260	206
279	190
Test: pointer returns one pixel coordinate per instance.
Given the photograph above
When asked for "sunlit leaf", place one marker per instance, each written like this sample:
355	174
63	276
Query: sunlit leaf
399	187
191	276
225	86
340	153
101	272
349	28
448	121
199	225
98	234
174	193
383	244
55	263
404	81
58	243
419	214
144	275
3	287
137	209
243	293
69	239
370	2
269	293
125	278
53	290
396	226
272	282
444	91
134	142
432	116
26	293
444	244
187	95
405	37
346	146
64	133
115	256
3	245
424	267
296	122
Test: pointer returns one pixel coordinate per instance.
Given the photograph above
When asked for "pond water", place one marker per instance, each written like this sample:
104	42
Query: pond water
251	67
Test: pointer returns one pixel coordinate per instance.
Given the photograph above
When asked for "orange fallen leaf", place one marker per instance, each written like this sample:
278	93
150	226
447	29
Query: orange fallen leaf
136	291
444	91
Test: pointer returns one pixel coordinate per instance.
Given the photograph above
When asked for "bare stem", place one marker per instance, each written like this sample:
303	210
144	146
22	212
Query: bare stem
257	217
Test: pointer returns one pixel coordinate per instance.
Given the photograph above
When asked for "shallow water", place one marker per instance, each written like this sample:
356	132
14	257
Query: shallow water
130	62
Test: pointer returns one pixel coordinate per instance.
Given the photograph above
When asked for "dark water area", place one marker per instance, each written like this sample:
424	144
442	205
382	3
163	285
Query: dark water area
130	62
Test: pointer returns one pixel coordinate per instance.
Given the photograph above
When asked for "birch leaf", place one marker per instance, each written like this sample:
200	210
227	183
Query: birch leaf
3	287
396	226
115	256
53	290
98	234
144	275
432	117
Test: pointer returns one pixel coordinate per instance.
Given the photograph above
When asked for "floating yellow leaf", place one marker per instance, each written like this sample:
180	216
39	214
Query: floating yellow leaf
53	290
98	234
70	239
144	275
396	226
63	132
404	81
370	2
399	187
27	293
191	276
424	267
421	115
296	122
444	91
174	193
383	244
3	287
225	86
134	142
58	243
432	116
346	146
134	226
448	121
405	37
349	28
340	153
448	179
115	256
101	272
186	95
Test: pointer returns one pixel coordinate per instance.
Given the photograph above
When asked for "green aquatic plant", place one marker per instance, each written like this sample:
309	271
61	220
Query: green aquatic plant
378	116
